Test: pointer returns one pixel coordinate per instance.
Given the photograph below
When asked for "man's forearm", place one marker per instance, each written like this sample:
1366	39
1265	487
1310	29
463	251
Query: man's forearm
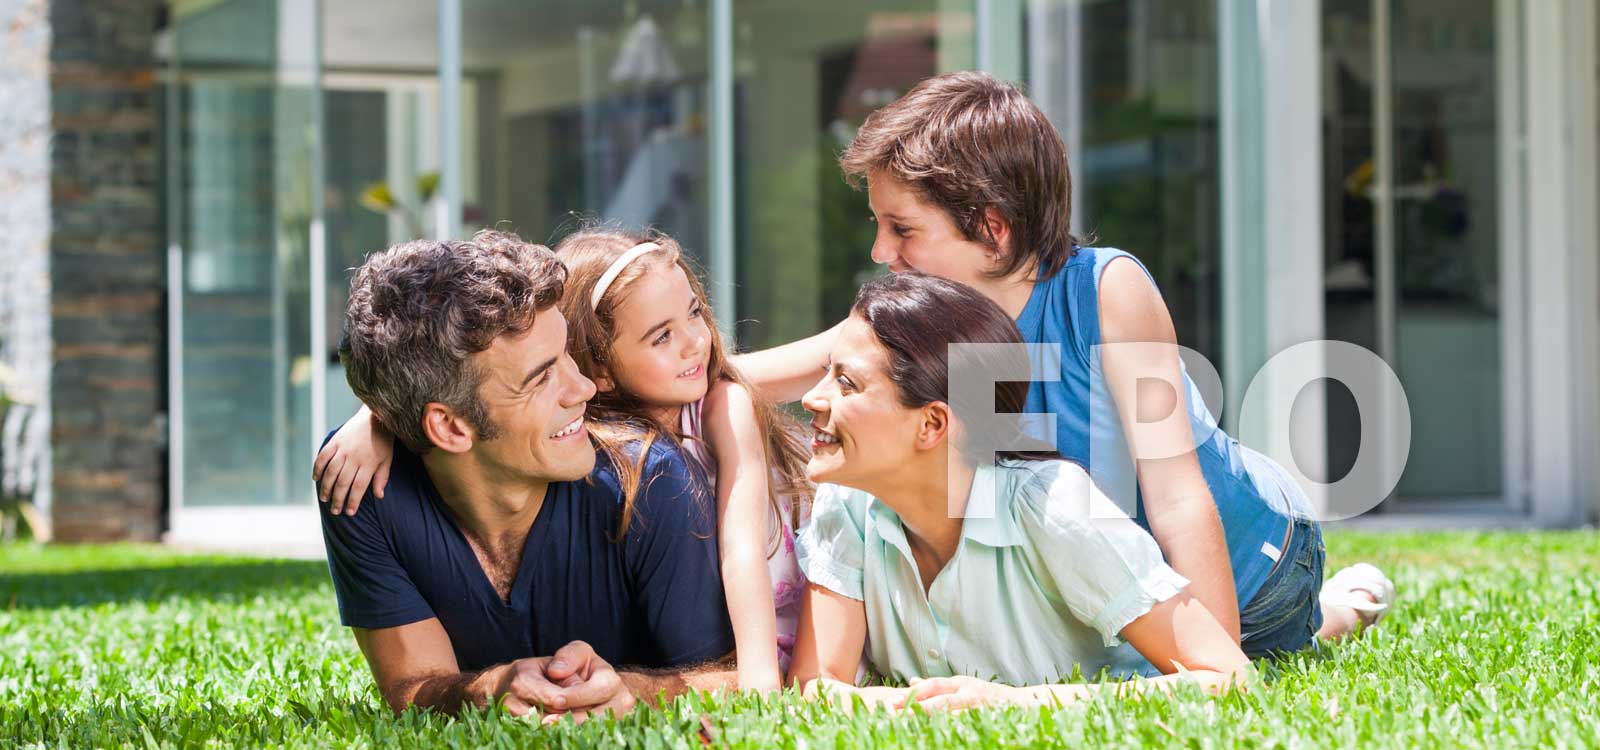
657	685
446	693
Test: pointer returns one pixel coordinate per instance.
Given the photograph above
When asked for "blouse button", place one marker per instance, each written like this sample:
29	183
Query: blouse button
933	653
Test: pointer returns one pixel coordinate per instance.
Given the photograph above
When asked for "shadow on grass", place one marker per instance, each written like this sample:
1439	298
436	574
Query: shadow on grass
220	581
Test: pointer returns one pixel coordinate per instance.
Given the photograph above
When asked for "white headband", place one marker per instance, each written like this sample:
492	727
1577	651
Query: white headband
615	270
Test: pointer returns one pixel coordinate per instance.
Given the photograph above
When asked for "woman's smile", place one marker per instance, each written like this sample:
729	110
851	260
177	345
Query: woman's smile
822	439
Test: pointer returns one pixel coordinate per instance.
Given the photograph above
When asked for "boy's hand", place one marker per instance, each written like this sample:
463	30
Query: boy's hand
357	457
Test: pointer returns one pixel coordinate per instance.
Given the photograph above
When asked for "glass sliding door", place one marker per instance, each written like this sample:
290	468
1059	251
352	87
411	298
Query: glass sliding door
241	128
1132	85
383	153
1414	249
806	75
571	112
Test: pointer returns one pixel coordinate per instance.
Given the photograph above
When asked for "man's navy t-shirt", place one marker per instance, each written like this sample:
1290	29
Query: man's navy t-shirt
653	599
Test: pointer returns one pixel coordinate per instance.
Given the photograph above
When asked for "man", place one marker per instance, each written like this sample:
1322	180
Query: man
489	548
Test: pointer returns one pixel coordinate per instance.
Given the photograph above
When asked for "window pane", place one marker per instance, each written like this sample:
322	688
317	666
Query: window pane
1443	91
594	109
1140	117
244	189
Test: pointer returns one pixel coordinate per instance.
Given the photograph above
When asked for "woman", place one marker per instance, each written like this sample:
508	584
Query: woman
1029	574
968	181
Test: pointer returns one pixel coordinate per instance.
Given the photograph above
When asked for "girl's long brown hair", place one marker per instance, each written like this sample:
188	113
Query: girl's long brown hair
619	422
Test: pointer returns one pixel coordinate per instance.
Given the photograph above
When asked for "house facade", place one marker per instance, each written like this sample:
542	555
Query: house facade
189	183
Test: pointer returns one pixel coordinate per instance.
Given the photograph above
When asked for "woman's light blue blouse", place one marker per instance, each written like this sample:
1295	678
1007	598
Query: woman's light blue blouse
1048	573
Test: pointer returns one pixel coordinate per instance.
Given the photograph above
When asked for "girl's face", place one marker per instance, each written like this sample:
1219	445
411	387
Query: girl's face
861	433
915	235
663	341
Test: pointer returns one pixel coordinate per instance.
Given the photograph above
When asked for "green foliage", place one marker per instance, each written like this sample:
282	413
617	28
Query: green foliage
1492	646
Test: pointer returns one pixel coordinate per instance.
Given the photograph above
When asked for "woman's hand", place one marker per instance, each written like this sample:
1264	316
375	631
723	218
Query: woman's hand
357	456
960	693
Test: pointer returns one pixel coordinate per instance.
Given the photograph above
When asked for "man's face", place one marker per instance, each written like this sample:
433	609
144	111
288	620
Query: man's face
535	398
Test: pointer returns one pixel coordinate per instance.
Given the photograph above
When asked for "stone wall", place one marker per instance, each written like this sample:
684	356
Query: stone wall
24	248
108	271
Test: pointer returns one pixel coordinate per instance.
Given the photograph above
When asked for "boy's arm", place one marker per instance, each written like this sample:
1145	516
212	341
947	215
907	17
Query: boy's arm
784	373
1146	383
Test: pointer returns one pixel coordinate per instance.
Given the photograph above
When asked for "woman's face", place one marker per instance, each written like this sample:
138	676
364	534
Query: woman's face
861	434
915	235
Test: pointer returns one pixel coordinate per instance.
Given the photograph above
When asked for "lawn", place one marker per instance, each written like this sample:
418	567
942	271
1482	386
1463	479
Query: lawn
1493	645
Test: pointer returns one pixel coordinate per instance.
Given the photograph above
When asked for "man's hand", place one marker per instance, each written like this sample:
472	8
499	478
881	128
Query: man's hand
573	681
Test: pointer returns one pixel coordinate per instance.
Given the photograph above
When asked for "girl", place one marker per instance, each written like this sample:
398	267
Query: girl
640	327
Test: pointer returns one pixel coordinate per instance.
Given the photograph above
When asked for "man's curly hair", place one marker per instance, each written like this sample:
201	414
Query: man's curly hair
419	311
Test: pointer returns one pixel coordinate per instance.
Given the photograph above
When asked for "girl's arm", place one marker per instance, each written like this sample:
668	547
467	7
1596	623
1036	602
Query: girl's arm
784	373
739	446
358	455
1179	636
1142	372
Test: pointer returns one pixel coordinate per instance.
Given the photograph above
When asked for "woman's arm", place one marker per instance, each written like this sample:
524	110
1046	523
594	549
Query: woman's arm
832	634
784	373
356	456
740	449
1142	371
1179	636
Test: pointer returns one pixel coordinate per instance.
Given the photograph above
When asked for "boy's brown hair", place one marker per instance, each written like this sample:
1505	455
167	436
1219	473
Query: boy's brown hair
967	142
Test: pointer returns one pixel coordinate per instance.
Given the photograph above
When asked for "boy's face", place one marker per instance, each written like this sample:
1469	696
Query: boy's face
915	235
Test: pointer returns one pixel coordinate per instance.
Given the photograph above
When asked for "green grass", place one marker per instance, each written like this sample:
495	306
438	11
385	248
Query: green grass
1493	645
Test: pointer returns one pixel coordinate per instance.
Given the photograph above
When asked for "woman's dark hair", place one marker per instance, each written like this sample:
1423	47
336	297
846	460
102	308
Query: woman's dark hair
917	317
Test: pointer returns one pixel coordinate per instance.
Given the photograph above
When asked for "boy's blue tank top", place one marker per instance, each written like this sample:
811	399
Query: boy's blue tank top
1255	498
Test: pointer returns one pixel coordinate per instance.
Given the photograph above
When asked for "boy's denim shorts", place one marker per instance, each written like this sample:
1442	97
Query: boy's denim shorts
1284	616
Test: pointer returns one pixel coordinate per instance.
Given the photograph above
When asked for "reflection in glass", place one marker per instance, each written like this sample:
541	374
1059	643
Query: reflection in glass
1148	175
807	75
585	110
